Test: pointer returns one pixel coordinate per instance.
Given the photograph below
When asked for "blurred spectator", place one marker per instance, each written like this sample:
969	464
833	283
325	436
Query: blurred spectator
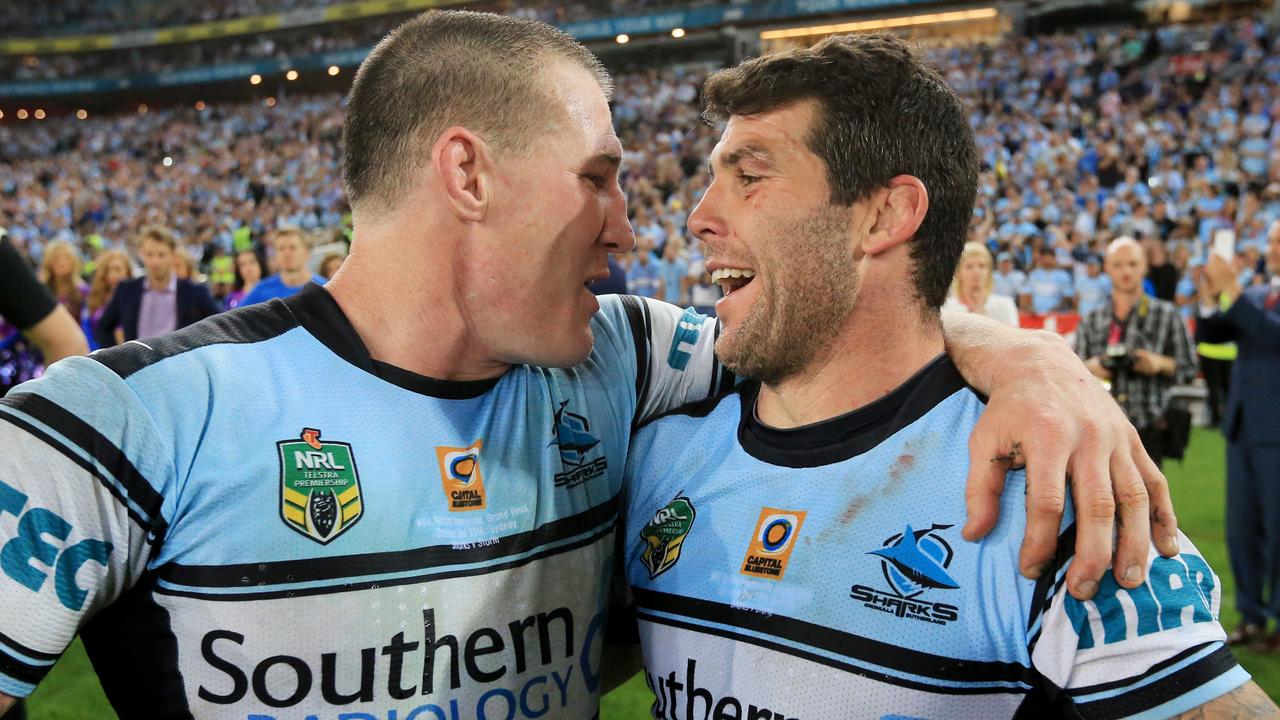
112	268
642	276
1007	280
292	253
972	288
1092	288
184	268
29	312
1048	288
1162	274
158	303
329	265
673	270
1252	320
248	273
60	272
1139	344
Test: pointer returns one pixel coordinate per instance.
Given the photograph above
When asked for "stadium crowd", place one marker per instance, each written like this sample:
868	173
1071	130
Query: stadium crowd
1166	135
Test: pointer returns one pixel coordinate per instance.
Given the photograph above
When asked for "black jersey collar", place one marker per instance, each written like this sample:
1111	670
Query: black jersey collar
846	436
319	313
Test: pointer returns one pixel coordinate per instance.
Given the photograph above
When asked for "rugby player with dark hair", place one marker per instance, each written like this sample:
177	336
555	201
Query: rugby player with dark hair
807	523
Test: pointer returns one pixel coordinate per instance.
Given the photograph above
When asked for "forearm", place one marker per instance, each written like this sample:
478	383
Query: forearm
58	336
982	349
6	702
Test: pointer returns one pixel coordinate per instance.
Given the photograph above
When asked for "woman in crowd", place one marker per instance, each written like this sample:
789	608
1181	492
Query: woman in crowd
60	272
113	267
971	288
248	267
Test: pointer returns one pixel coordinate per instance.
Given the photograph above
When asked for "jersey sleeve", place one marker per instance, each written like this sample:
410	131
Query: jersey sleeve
674	351
1154	651
82	465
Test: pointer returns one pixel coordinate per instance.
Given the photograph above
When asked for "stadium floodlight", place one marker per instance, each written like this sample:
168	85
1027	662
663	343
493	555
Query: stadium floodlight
623	39
200	105
22	113
39	114
1	114
291	75
677	32
270	102
254	79
81	114
334	70
167	161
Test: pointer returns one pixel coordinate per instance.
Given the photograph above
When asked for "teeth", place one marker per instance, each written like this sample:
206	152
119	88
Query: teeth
725	273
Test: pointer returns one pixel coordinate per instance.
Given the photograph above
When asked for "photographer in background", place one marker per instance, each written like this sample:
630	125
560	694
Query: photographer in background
1139	344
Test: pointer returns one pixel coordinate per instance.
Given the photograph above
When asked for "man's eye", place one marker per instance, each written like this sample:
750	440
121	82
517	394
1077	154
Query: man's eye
746	179
599	181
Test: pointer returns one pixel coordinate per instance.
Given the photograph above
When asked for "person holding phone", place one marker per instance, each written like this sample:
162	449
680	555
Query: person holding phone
1252	319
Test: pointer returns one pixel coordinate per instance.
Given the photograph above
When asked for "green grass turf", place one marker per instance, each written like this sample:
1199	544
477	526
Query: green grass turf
71	692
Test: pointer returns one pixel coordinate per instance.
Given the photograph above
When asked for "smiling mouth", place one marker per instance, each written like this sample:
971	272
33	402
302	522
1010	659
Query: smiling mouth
731	280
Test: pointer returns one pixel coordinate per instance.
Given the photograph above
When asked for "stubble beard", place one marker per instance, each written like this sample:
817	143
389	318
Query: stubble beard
812	289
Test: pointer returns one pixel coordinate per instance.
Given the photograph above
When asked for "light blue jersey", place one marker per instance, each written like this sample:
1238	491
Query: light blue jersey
251	518
819	574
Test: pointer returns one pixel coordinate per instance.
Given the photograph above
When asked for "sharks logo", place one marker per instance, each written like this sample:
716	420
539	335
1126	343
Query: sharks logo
571	432
916	560
912	562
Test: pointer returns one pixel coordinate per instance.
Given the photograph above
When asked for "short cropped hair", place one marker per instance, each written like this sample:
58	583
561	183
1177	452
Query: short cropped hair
444	68
882	113
158	234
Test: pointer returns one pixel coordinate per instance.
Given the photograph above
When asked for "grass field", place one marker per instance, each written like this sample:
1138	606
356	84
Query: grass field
71	691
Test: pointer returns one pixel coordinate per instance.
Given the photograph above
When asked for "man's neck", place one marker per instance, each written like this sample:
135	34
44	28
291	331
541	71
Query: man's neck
880	347
295	278
412	323
154	283
1123	302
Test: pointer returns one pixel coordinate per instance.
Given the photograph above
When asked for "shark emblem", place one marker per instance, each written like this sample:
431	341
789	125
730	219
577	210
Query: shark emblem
572	433
916	560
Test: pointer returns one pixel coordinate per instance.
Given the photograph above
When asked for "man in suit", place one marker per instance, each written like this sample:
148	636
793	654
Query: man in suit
158	303
1251	425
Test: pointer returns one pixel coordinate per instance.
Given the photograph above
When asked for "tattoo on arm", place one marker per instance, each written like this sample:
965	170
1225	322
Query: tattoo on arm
1246	702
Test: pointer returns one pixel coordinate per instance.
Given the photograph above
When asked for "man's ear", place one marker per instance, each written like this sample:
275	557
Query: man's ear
899	211
464	164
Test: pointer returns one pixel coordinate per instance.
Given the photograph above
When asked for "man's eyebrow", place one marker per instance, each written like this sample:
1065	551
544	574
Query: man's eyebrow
747	152
610	158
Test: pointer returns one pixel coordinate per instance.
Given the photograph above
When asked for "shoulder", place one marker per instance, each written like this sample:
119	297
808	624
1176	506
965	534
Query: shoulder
1163	307
695	413
190	287
241	326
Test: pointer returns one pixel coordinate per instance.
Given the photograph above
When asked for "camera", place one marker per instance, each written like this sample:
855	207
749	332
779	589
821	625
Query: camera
1117	358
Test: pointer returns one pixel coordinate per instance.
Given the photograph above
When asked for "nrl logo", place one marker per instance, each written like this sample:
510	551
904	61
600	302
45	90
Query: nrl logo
319	486
665	534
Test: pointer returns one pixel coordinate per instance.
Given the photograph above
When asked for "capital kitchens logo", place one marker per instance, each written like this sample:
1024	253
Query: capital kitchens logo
319	486
461	478
772	543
